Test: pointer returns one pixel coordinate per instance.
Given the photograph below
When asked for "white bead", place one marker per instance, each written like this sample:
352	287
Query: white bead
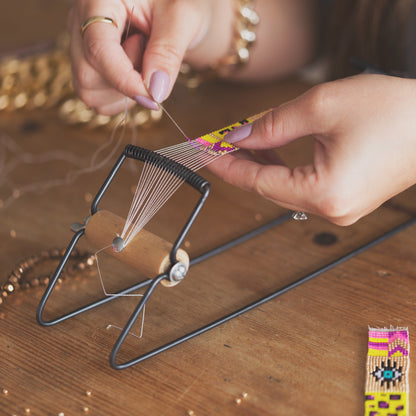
244	54
250	15
248	35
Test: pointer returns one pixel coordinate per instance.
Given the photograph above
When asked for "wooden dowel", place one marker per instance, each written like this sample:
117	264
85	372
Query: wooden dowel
146	252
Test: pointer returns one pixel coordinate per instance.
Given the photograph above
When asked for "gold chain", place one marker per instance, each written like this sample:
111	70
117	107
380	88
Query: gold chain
244	36
43	80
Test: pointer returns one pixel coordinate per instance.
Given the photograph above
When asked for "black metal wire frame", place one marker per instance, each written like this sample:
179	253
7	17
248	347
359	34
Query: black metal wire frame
152	283
147	156
247	307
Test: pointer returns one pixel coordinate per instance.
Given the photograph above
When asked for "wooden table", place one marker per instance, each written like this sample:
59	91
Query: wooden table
301	354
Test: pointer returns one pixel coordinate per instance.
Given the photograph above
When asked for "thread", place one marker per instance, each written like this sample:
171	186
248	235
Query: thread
156	186
94	164
116	295
12	157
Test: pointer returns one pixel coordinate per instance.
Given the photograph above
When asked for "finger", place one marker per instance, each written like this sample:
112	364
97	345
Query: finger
104	99
264	157
309	114
83	74
116	107
103	51
134	47
86	77
293	189
167	45
267	157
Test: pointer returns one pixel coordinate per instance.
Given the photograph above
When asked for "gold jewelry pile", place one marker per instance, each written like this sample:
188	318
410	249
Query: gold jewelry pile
43	80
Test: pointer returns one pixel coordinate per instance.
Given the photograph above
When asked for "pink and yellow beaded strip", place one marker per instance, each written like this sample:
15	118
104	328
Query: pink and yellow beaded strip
387	384
214	142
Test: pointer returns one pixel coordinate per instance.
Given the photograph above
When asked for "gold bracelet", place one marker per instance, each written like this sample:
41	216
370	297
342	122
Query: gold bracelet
244	36
246	19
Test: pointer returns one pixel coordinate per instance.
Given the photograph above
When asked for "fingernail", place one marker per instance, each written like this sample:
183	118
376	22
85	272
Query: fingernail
239	133
146	102
159	86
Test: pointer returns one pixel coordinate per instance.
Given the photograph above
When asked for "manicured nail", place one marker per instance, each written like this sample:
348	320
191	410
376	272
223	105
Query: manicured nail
238	133
159	86
146	102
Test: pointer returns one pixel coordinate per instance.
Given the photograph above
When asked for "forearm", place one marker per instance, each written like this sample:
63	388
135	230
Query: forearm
286	38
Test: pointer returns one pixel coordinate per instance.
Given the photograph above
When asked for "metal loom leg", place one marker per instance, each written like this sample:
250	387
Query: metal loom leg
254	304
130	323
55	277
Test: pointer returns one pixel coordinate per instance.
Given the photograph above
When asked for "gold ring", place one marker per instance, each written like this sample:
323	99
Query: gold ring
95	19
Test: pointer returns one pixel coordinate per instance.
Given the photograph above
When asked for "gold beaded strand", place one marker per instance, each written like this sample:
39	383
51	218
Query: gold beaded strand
18	277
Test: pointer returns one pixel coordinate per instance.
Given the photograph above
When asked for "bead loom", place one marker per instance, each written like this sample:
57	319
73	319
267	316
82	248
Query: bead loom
175	270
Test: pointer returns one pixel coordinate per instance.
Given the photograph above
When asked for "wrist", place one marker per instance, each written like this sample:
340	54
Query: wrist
215	39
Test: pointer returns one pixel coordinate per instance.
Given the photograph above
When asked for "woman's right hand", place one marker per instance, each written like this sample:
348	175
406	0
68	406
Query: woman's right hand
364	130
145	65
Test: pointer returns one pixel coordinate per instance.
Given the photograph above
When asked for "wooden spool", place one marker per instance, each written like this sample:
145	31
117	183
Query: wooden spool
146	252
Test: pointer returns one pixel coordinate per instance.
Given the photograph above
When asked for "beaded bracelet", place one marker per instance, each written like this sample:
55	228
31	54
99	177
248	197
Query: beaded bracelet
387	375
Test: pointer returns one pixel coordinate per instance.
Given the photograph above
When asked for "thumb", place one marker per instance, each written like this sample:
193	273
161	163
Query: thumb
300	117
175	25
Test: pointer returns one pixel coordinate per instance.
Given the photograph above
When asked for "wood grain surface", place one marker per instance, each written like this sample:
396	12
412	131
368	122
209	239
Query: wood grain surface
303	353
